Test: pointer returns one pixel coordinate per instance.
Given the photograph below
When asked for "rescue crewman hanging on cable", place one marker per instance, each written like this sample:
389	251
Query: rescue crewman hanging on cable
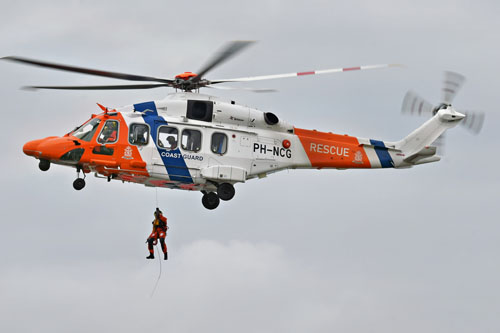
159	231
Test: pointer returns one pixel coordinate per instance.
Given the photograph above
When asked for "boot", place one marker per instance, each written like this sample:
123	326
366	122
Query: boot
165	257
151	256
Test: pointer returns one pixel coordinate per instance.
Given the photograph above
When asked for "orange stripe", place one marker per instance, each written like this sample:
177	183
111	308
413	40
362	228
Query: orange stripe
328	150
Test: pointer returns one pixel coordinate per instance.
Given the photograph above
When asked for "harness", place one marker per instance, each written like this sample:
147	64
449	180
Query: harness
158	223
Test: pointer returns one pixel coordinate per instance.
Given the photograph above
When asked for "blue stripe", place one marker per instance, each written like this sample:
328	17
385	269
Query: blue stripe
383	154
176	166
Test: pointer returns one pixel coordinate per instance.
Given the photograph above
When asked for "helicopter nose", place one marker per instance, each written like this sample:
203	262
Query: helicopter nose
37	148
30	148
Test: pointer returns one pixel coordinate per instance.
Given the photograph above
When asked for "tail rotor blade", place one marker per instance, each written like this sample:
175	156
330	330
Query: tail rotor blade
473	121
451	85
415	105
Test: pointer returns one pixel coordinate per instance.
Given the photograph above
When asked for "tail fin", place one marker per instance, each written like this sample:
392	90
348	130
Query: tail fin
425	135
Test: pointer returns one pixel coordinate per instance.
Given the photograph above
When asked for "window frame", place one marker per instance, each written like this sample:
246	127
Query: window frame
211	141
85	124
95	152
102	129
201	139
149	134
209	105
158	137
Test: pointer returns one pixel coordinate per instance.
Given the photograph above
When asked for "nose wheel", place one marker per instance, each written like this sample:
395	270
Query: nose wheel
44	165
79	183
210	200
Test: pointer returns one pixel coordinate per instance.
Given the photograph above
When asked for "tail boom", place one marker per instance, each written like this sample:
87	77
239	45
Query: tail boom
328	150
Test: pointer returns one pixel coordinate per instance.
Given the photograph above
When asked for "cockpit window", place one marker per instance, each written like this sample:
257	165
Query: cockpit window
87	130
109	133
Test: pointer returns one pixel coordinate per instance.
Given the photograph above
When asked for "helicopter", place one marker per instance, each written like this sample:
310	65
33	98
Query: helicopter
196	142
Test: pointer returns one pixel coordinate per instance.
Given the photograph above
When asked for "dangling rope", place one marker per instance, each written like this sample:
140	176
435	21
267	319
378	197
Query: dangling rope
158	253
159	275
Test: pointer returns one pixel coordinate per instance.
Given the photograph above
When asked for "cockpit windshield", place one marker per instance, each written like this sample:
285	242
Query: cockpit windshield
87	130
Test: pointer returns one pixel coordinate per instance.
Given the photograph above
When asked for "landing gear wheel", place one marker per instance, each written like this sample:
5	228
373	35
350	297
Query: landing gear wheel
78	184
210	200
44	165
225	191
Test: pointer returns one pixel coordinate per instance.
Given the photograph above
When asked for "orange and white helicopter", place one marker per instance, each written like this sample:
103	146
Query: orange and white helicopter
196	142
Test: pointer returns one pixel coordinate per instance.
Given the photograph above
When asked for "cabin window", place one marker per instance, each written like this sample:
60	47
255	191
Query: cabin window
191	140
219	143
139	134
87	130
200	110
167	137
109	133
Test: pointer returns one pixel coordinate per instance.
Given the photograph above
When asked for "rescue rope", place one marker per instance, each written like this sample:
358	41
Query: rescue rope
159	275
157	251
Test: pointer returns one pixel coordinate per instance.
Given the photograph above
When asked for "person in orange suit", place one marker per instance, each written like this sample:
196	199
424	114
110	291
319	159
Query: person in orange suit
159	232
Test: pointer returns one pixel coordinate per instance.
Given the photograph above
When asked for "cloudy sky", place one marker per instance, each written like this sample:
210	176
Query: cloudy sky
300	251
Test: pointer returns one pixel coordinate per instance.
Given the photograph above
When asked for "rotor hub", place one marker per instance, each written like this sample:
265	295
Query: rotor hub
186	76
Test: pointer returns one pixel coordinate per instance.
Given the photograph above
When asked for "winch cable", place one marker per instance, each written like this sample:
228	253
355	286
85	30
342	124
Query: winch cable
159	275
156	190
158	253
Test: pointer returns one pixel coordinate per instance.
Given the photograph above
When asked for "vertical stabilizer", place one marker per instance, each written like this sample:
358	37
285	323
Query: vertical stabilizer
426	134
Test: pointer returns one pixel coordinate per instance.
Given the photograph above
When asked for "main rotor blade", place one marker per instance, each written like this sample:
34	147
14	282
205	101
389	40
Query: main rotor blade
316	72
96	72
224	54
257	90
451	85
117	87
415	105
473	121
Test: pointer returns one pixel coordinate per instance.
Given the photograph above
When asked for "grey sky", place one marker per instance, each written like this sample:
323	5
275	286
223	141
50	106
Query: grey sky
320	251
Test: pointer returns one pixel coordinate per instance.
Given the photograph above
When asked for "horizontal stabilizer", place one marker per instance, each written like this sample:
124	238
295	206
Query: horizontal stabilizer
425	155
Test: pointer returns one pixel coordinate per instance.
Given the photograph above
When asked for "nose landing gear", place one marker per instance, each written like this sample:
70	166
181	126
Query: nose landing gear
44	165
79	183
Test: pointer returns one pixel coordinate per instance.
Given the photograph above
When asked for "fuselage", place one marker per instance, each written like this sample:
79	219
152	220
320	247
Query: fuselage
195	142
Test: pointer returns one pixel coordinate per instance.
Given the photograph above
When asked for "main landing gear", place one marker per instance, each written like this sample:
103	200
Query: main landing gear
211	200
79	183
225	191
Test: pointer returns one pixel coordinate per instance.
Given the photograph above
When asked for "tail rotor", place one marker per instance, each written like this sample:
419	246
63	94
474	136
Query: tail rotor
452	83
473	121
413	104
